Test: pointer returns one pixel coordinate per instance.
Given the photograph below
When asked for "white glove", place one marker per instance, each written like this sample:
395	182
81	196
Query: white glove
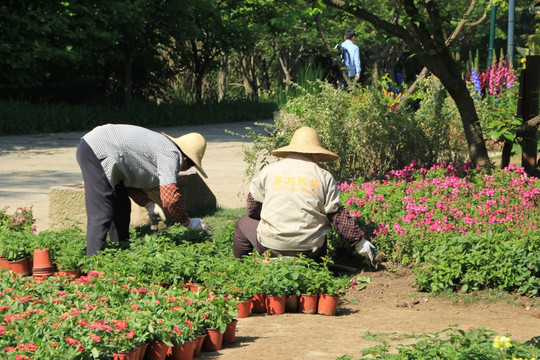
198	224
366	249
156	214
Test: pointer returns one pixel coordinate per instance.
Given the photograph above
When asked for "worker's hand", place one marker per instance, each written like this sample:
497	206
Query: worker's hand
366	249
199	224
155	213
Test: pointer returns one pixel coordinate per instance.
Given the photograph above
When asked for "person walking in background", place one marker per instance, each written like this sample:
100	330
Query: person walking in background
122	161
351	58
293	203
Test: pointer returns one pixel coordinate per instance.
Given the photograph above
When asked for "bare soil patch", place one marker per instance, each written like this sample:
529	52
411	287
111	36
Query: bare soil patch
390	305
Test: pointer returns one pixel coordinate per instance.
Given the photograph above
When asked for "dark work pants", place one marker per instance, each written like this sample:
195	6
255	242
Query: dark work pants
245	240
108	210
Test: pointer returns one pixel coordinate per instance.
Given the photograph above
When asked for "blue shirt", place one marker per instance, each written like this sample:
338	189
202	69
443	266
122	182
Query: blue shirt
352	58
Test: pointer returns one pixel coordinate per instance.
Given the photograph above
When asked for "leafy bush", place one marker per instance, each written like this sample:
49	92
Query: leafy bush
453	344
478	261
364	128
42	118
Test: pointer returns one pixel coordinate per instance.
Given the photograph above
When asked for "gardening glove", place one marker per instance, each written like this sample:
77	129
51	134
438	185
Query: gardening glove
199	224
366	249
156	214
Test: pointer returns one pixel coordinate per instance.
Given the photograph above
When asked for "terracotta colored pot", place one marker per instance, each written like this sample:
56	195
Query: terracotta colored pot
4	264
74	274
43	265
184	352
308	303
132	355
156	351
20	267
275	305
229	336
213	340
192	287
327	304
200	341
142	351
291	304
244	308
258	303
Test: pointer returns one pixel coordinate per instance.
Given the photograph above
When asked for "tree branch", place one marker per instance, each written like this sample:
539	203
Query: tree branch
528	125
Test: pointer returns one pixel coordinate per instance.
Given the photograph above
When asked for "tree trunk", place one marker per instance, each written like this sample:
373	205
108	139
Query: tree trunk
446	70
223	77
248	75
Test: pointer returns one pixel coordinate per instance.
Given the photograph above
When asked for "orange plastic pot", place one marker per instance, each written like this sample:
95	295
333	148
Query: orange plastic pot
43	265
291	304
74	274
308	303
20	267
142	351
328	304
4	264
156	351
244	308
258	303
184	352
132	355
200	341
229	336
275	304
213	340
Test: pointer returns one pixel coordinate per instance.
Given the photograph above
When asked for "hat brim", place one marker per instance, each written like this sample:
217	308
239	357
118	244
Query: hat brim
198	166
324	155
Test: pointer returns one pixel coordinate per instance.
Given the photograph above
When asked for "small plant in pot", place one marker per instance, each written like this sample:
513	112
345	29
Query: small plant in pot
70	258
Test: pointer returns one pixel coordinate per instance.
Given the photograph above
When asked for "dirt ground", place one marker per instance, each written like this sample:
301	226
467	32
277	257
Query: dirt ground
30	165
390	305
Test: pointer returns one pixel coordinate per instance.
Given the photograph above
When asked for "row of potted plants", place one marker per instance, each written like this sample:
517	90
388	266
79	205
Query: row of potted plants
96	316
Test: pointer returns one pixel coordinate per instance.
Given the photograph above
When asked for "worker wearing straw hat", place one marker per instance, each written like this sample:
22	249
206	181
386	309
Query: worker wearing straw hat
119	162
293	203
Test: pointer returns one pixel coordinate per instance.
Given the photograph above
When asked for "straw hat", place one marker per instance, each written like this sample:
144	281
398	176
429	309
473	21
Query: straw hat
306	141
193	145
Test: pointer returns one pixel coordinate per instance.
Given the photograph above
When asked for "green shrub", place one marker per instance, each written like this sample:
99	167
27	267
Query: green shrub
479	261
452	344
43	118
367	130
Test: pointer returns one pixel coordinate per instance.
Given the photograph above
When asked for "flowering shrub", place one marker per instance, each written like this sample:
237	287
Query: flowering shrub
21	220
97	315
414	210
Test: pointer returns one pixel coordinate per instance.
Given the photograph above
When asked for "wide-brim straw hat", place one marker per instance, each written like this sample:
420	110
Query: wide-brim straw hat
306	141
193	145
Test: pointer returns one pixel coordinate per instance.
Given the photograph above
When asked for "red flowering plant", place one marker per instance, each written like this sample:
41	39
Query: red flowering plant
216	312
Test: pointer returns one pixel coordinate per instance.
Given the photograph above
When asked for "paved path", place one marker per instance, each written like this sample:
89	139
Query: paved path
30	165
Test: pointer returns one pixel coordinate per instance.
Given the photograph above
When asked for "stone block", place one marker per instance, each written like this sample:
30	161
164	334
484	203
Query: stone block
67	207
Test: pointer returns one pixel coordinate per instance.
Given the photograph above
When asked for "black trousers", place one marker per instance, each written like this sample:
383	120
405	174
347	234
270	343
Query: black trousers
108	210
